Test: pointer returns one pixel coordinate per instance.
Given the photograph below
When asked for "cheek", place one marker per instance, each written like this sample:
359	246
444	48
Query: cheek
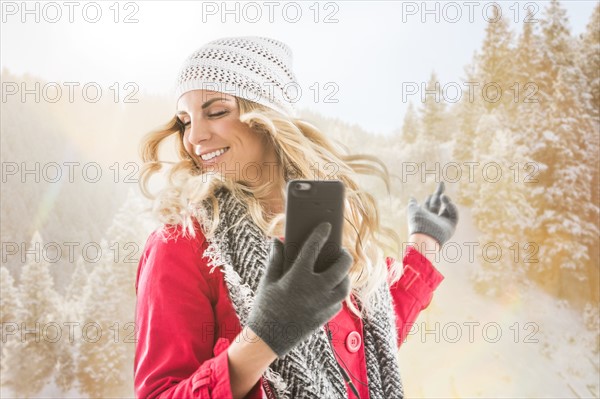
255	140
254	147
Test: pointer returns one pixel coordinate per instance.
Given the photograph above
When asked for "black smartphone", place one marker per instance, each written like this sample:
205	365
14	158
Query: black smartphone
308	204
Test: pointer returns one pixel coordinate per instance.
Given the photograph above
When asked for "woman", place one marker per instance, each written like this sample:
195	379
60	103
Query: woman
216	316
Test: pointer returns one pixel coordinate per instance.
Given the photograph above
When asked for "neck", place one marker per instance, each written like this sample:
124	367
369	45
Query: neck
273	203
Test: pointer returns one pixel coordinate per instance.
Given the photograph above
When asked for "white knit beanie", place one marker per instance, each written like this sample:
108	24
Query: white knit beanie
255	68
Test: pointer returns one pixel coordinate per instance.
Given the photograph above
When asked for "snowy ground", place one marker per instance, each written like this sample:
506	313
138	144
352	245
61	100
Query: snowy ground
551	357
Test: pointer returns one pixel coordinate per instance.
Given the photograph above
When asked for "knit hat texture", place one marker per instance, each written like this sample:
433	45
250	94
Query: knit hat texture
255	68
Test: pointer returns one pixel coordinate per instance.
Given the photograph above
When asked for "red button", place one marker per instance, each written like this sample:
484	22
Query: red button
353	342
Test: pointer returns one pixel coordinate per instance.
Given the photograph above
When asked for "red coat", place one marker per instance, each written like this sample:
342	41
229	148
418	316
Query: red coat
185	320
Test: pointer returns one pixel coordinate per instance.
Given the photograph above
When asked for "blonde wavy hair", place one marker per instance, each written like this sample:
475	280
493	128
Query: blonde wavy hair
304	152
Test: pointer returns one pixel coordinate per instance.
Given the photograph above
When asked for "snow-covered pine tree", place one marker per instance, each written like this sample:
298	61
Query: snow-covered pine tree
557	53
31	362
76	289
100	351
488	124
10	304
567	229
104	366
503	215
11	312
495	62
486	111
589	62
557	37
567	224
64	376
469	111
433	114
532	84
411	127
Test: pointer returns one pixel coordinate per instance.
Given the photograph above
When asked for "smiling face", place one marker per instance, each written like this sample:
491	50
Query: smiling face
216	138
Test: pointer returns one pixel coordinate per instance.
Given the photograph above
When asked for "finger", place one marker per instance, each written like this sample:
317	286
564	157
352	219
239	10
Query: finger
313	245
426	205
413	205
440	189
435	203
275	266
339	269
451	211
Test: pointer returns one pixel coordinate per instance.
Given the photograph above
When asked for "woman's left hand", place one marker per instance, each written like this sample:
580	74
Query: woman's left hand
429	221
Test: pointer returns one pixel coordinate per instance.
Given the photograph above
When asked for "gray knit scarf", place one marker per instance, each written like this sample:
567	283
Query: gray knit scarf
309	370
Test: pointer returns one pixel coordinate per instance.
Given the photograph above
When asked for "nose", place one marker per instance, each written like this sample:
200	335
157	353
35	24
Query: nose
197	132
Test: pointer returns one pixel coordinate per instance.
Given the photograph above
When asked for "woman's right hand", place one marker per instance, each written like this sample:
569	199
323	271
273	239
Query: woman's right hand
290	306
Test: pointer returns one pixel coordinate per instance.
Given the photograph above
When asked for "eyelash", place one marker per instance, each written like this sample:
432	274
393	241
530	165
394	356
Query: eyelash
210	115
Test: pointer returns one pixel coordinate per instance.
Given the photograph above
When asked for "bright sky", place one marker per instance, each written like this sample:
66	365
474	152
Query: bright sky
362	60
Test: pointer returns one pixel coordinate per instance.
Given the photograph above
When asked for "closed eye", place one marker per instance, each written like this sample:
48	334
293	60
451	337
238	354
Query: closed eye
217	114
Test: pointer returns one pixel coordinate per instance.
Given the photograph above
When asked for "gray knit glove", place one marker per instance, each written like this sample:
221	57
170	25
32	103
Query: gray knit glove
428	220
289	306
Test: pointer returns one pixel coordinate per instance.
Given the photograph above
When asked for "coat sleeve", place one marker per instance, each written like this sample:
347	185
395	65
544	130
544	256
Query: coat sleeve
174	355
414	290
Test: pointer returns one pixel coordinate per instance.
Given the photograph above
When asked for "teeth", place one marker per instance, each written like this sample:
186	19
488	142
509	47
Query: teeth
211	155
